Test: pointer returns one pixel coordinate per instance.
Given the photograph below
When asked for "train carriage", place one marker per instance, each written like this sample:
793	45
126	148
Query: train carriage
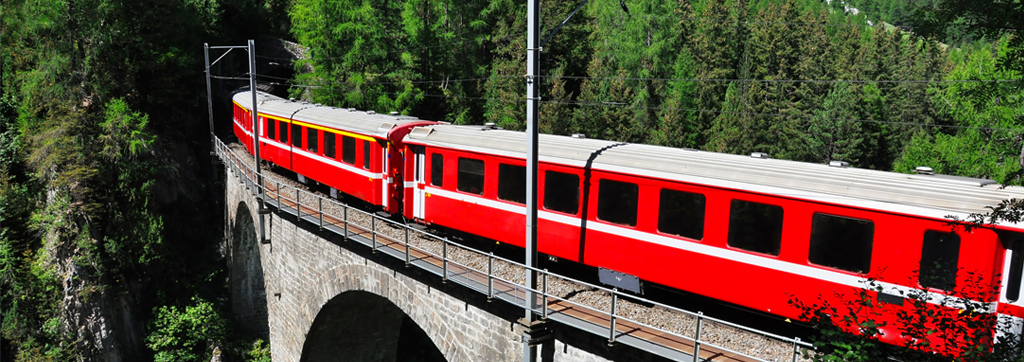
752	231
346	149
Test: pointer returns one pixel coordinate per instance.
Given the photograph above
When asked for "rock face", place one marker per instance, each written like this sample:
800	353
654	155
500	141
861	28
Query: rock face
96	313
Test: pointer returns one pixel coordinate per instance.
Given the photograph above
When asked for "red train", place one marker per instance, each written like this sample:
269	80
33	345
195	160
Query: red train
751	231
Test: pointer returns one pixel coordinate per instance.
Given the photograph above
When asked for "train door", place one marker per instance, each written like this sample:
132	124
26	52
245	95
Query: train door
386	178
1012	286
418	192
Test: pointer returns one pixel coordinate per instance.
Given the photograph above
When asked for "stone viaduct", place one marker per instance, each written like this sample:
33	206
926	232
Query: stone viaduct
316	297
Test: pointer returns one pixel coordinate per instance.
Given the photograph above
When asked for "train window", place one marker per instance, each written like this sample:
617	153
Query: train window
366	154
329	144
311	139
841	242
617	202
1016	268
561	192
681	213
348	150
437	169
271	127
512	183
756	227
939	260
296	135
283	136
471	176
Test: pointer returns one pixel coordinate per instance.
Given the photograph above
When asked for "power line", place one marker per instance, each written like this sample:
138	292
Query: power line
441	81
625	105
825	81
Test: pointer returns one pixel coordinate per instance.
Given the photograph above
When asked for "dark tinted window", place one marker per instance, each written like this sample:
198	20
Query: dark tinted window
366	154
940	255
512	183
283	136
561	192
841	242
681	213
617	201
437	169
329	144
471	176
348	150
296	135
271	127
311	139
1016	269
755	227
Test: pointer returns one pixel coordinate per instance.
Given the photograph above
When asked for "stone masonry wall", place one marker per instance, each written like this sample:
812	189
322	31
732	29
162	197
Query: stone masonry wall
301	271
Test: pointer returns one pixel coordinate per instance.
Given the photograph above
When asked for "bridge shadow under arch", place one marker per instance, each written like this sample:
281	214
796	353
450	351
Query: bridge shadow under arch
361	326
248	288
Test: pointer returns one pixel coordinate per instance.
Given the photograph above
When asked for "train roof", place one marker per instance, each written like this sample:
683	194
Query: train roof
922	194
362	122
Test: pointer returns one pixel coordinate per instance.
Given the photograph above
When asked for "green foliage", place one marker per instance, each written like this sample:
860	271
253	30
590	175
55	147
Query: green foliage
850	326
187	334
987	146
260	352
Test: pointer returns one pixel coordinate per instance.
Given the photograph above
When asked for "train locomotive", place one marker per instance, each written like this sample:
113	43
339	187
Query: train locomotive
747	230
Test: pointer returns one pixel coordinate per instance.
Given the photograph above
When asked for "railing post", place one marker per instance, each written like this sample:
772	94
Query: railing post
278	191
796	348
490	276
321	201
444	259
611	331
544	294
373	232
345	212
406	246
298	205
696	339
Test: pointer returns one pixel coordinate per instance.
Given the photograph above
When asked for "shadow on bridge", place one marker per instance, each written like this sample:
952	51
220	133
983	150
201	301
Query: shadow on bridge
361	326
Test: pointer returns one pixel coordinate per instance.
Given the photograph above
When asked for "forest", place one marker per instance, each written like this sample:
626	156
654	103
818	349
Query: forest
108	197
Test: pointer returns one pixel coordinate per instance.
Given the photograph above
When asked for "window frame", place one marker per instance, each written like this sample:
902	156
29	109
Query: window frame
271	128
516	187
547	193
282	136
955	265
436	171
367	152
732	227
661	213
312	140
812	244
348	150
296	136
459	179
330	144
602	188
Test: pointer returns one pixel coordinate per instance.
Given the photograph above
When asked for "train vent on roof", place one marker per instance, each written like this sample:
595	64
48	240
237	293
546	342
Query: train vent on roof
420	132
759	155
385	126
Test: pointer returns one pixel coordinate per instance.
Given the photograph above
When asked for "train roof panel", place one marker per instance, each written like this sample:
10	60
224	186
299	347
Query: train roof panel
843	185
362	122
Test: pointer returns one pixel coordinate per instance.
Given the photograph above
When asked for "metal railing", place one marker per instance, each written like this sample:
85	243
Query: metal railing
483	281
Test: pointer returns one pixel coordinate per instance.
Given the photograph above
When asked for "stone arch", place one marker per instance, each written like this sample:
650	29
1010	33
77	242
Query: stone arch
362	326
248	288
442	318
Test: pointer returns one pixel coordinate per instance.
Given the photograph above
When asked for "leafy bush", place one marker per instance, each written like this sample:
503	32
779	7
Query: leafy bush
186	334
